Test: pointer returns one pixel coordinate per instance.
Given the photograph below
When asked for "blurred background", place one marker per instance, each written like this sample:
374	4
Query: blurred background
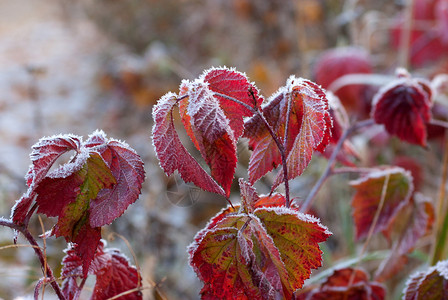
75	66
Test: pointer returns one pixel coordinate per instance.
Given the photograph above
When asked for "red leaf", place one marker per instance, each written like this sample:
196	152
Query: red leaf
256	255
236	85
308	129
429	285
114	274
263	254
170	151
338	62
69	198
212	133
44	154
410	224
296	236
127	168
367	198
338	287
98	184
404	107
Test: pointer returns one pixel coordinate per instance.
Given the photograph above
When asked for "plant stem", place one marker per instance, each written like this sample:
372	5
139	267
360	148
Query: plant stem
440	123
282	151
367	79
281	146
405	38
48	273
441	213
308	201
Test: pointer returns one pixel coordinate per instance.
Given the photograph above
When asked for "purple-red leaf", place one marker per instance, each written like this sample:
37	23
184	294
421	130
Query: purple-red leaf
431	284
301	109
170	151
367	198
404	107
44	154
114	274
102	179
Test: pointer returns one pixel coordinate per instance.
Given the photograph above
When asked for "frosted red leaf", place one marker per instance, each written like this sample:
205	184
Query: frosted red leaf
265	254
301	109
210	130
431	284
212	110
171	153
338	287
409	225
335	63
43	156
368	194
73	191
232	83
114	274
404	107
127	168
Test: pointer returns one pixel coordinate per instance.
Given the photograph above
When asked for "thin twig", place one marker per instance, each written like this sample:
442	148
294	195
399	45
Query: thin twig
440	231
405	39
344	170
281	148
373	225
440	123
366	79
137	266
308	201
45	268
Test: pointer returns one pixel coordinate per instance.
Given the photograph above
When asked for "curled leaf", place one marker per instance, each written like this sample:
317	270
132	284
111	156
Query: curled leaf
171	153
101	180
404	107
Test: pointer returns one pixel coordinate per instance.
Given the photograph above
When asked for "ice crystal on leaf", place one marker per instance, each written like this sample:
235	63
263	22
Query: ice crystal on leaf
298	110
265	251
212	109
103	178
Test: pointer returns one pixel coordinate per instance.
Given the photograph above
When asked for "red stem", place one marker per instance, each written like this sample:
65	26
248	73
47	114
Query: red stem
46	270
